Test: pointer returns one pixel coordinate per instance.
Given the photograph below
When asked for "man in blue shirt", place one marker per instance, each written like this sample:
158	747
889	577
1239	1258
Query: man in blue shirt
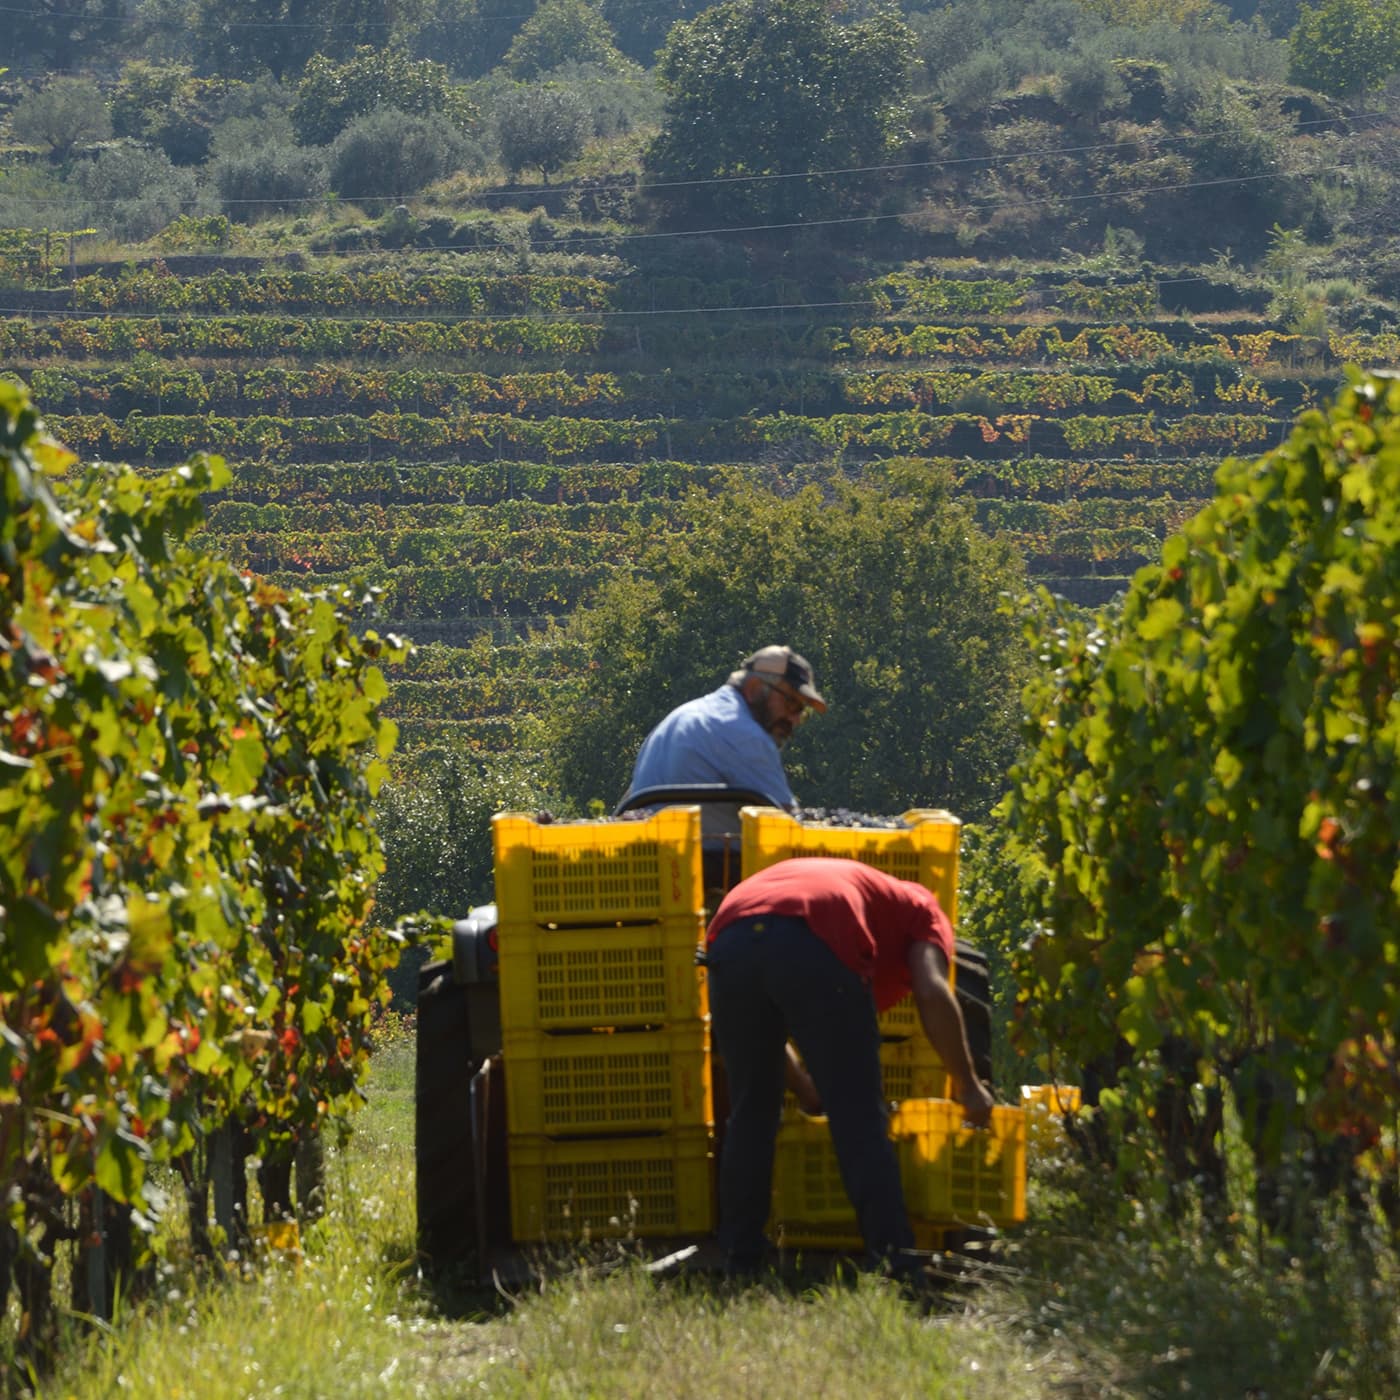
733	735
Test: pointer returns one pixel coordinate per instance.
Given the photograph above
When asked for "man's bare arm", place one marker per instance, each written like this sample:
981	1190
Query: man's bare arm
943	1025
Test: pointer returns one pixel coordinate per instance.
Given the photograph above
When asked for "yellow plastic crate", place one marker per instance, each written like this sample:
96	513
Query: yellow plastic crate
634	1082
973	1176
909	1069
1046	1107
609	1187
807	1183
951	1175
570	978
901	1020
810	1207
597	872
924	849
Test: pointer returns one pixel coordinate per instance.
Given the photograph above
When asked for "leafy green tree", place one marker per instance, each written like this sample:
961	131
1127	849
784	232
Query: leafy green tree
332	95
166	105
434	816
160	30
1182	14
1345	47
775	90
541	126
61	115
241	38
886	586
641	26
60	34
561	31
469	36
1213	795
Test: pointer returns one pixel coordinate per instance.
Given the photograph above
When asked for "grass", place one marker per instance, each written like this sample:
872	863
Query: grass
1094	1297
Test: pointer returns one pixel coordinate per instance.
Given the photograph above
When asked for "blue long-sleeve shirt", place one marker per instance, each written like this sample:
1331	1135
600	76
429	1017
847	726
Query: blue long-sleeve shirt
713	739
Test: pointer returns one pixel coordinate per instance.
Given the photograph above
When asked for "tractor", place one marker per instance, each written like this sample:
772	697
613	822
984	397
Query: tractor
564	1086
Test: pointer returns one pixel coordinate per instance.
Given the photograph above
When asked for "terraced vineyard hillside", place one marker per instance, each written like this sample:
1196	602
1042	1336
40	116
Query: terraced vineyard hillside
486	446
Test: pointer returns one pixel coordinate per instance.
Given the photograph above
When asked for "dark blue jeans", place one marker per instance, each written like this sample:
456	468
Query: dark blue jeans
772	979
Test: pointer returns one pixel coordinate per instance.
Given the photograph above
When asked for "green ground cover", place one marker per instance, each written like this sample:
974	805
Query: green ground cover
1093	1297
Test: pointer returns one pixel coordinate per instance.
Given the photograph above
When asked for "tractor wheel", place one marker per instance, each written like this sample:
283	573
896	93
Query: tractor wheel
972	983
445	1181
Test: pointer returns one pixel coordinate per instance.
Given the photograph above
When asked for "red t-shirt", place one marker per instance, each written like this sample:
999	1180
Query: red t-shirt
867	918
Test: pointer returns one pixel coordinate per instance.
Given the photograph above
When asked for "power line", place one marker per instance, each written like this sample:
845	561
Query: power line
1003	157
279	23
562	241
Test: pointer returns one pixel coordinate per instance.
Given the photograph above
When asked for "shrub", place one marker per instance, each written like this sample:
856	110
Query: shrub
63	114
134	192
945	38
973	84
390	153
268	177
189	231
1234	139
617	101
1089	84
36	196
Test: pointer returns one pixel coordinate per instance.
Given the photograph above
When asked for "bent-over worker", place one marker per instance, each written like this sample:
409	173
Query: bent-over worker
809	949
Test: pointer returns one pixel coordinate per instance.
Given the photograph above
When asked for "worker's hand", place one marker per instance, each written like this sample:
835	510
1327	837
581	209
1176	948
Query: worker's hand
800	1085
808	1100
977	1103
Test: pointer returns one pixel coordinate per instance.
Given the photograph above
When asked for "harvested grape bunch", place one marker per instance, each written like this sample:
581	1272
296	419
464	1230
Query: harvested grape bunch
844	817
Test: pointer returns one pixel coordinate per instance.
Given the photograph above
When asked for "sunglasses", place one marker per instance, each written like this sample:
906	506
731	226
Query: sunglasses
793	704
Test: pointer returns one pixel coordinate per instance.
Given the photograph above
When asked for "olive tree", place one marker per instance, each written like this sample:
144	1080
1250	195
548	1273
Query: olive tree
391	154
61	115
541	126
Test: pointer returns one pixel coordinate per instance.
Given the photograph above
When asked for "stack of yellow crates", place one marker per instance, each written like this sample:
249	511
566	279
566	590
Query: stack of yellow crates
605	1026
953	1176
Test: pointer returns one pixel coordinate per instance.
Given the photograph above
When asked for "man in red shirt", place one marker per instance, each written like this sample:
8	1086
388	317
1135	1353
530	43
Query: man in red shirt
810	949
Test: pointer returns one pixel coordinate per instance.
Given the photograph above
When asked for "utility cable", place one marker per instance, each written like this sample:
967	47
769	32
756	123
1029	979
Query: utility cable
997	158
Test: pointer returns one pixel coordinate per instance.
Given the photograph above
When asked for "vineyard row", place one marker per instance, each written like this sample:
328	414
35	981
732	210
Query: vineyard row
487	545
327	389
262	337
484	437
355	490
